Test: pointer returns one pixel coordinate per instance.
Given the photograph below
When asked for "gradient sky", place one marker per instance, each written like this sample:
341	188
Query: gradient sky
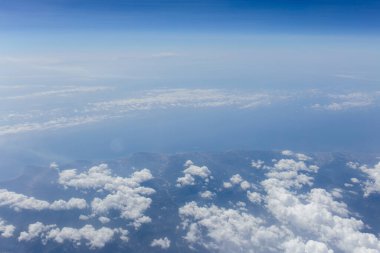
206	43
300	47
296	16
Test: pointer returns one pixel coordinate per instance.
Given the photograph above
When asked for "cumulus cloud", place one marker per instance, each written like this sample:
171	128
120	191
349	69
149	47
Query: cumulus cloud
6	230
94	238
372	185
299	156
257	164
163	243
192	171
254	197
296	221
245	185
316	214
21	202
126	195
289	173
207	194
236	179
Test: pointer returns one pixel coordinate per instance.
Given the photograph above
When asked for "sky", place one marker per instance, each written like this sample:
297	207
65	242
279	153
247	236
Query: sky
212	43
86	83
61	60
286	16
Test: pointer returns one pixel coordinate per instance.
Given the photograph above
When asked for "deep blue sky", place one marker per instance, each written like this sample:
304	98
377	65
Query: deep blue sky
297	16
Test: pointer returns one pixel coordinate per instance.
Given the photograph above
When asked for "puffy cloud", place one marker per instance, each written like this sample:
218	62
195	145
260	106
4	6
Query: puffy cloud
288	173
254	197
54	166
236	179
207	195
163	243
355	180
245	185
104	219
257	164
298	246
6	230
126	194
73	203
299	156
229	230
372	185
187	179
316	215
19	202
94	238
310	221
227	185
190	172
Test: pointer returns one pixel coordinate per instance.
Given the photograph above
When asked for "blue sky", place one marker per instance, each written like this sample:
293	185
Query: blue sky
335	16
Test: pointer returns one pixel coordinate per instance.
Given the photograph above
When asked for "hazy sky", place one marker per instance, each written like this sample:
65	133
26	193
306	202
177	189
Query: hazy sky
197	43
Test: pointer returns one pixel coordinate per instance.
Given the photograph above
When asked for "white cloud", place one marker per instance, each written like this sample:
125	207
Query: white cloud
100	111
372	185
298	246
126	194
236	179
228	230
61	92
94	238
227	185
6	230
254	197
104	219
354	180
190	172
299	156
207	195
311	221
163	243
187	179
257	164
316	214
342	102
245	185
19	202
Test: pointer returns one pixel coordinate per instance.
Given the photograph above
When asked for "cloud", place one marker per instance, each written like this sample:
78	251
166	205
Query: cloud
296	220
126	195
299	156
342	102
257	164
372	185
254	197
245	185
315	214
6	231
207	194
163	243
92	112
190	172
94	238
237	180
21	202
61	92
